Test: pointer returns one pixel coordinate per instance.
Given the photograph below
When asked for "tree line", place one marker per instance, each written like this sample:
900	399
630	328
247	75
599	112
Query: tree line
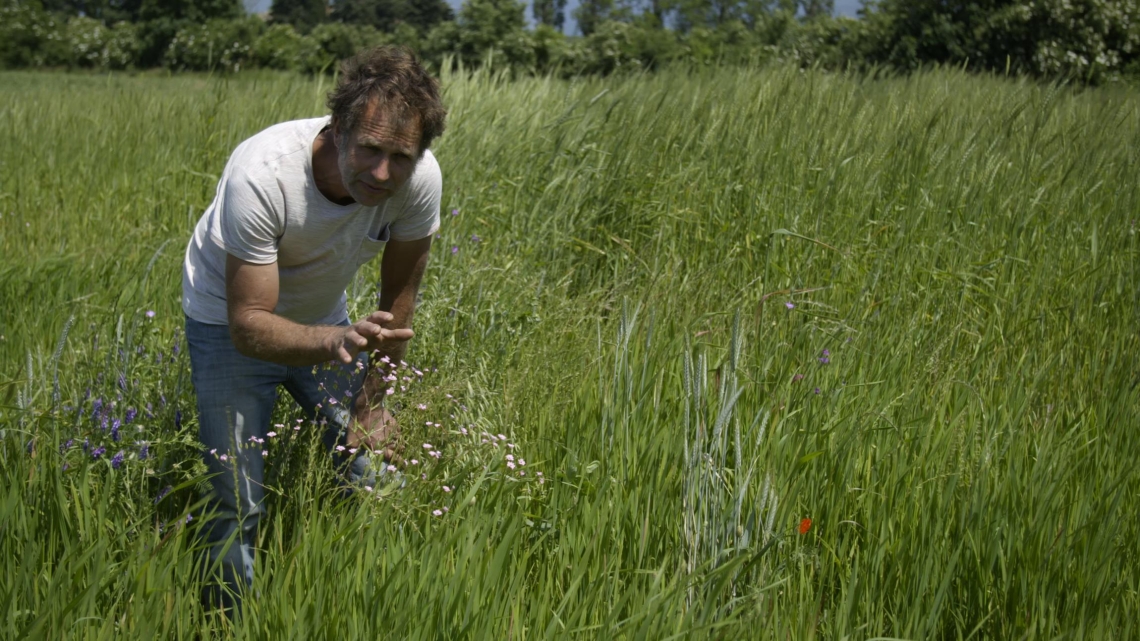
1090	41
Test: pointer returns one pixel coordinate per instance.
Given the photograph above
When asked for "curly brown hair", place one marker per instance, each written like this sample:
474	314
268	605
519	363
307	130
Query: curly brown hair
395	78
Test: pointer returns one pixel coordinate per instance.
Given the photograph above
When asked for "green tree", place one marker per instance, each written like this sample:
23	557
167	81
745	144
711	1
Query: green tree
549	12
386	15
303	15
590	14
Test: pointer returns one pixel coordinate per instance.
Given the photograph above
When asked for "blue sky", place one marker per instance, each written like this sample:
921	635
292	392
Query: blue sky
842	8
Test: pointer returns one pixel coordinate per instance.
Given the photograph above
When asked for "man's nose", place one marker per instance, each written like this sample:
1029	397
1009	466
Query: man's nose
382	171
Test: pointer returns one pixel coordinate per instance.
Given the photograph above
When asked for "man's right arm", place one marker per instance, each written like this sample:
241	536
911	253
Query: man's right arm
251	297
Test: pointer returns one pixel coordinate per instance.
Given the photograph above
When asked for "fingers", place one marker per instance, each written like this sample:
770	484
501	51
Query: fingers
401	334
379	317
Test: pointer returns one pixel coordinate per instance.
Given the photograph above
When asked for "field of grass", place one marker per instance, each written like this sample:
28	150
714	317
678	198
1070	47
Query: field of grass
704	307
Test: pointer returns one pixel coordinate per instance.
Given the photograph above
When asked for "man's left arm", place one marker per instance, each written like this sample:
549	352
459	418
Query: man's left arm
401	270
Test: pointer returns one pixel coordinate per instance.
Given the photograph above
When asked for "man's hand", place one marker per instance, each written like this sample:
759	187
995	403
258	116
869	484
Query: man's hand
377	430
366	335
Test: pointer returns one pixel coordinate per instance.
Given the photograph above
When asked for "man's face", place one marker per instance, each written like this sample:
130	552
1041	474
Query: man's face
379	157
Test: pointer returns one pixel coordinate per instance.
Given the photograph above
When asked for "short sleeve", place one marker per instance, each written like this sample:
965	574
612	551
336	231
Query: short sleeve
249	222
420	215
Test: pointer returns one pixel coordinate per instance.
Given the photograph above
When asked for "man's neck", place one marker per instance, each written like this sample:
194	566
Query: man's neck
326	170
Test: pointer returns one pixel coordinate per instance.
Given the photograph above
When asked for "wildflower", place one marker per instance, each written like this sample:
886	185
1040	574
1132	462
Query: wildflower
463	431
510	457
446	489
189	517
264	453
273	434
340	448
97	452
391	468
797	378
428	446
454	249
502	437
454	212
421	406
177	419
144	452
162	494
130	415
817	390
117	460
445	509
352	450
367	488
389	391
805	525
414	461
790	305
223	457
522	472
476	239
437	512
823	360
150	313
510	465
522	462
436	453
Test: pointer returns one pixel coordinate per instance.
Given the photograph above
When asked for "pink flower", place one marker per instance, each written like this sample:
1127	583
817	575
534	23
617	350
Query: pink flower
446	489
510	465
428	446
510	457
340	448
264	453
352	450
437	512
522	462
391	468
367	488
389	391
273	434
223	457
522	473
502	437
421	406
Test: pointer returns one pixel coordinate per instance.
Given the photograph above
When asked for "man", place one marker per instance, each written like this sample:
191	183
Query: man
298	210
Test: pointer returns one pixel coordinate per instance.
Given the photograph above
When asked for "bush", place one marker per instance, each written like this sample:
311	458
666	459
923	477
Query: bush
31	37
281	47
336	41
217	44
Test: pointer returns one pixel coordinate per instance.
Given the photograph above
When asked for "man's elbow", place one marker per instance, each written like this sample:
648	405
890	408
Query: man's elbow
242	334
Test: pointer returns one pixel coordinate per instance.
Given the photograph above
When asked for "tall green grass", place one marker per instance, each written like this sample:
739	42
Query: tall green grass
646	274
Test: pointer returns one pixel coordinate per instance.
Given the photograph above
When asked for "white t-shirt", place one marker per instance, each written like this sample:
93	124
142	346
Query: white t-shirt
267	208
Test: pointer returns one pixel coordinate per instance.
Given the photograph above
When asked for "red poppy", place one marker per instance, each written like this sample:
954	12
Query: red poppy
805	525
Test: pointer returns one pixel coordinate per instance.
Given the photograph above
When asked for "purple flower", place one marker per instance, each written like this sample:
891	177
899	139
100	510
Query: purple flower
177	419
115	425
817	390
150	313
455	249
475	238
117	460
96	407
454	212
827	352
66	446
97	452
144	452
189	517
824	360
123	382
130	416
162	494
790	305
86	444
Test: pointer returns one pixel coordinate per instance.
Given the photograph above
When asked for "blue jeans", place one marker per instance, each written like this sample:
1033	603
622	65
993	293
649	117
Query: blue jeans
236	395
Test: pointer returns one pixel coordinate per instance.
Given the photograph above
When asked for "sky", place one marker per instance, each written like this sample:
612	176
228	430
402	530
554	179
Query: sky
842	8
